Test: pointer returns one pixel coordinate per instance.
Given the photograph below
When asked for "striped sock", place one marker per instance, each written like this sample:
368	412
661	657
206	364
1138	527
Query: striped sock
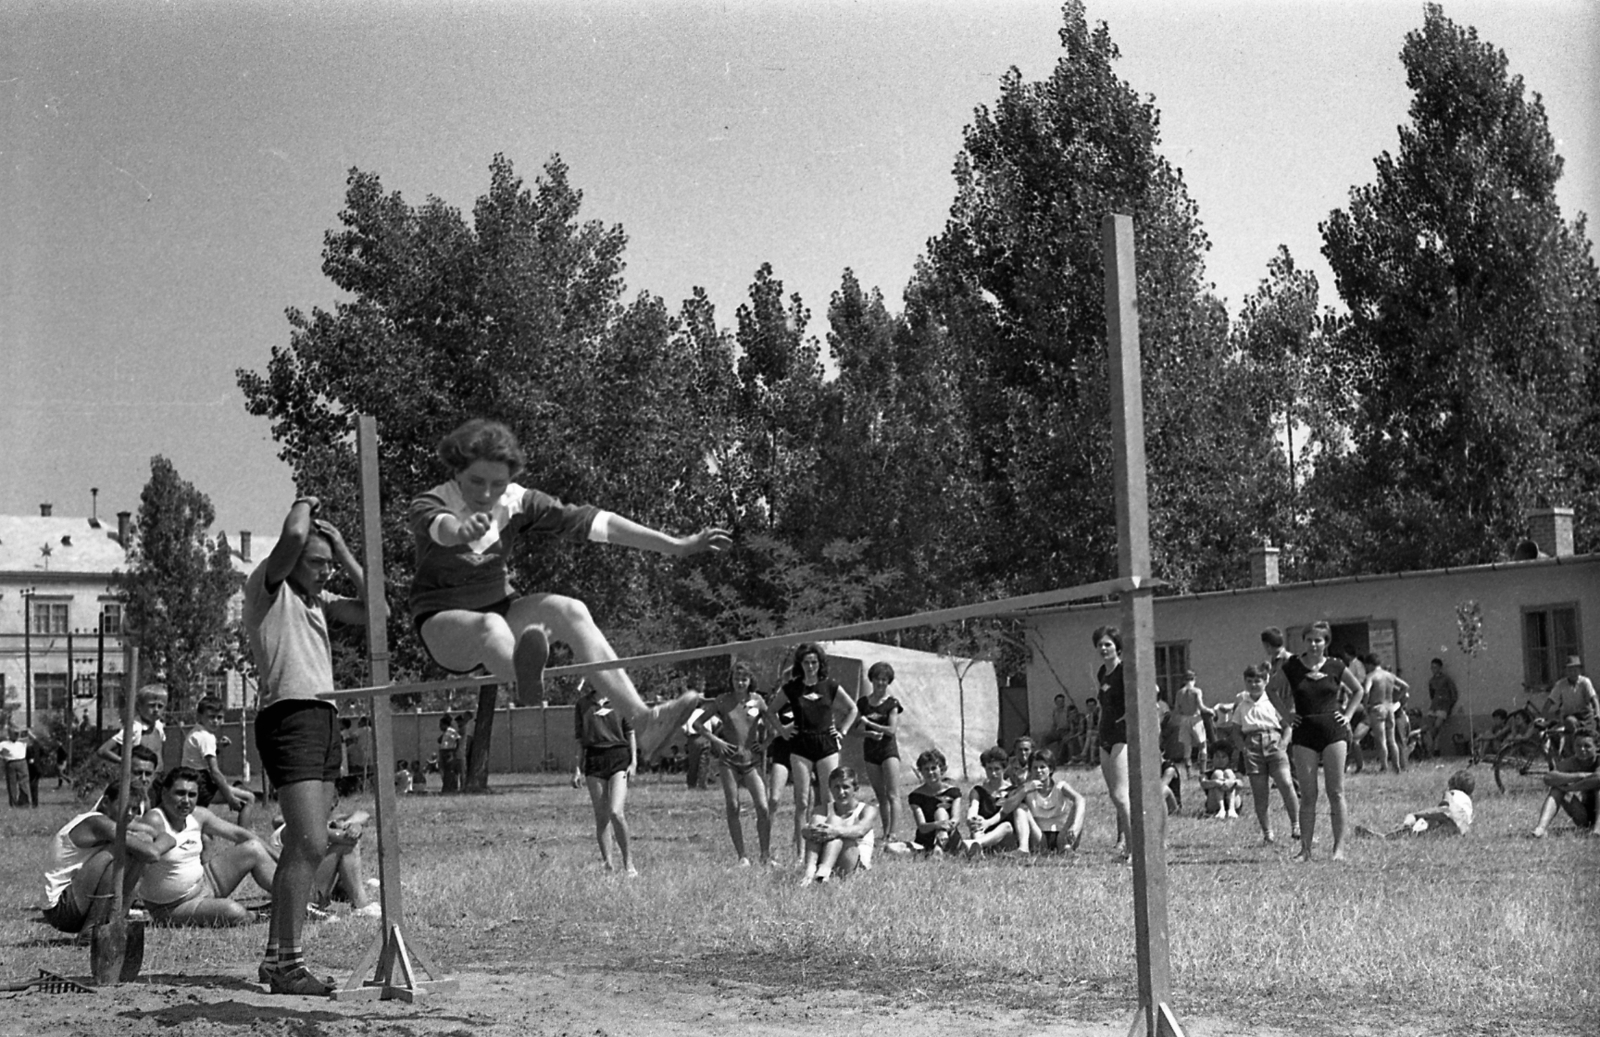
291	958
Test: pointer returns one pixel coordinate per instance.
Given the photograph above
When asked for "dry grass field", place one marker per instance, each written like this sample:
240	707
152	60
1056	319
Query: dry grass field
1494	934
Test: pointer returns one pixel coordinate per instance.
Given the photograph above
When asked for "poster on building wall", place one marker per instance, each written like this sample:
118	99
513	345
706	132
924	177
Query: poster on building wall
1380	641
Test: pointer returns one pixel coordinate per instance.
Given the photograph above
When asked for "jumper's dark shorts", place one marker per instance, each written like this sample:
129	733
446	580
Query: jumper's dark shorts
779	751
814	745
298	740
499	608
1113	734
1320	730
604	761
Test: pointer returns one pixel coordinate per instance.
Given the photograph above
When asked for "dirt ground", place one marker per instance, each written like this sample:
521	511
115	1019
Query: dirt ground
581	1002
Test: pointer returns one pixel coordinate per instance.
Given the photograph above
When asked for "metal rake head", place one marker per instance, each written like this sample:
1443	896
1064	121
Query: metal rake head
51	983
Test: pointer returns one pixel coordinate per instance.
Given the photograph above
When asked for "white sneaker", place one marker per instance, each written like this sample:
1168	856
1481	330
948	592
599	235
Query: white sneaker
372	910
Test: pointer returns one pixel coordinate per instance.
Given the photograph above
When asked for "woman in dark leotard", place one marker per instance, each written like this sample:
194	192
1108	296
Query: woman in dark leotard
1113	732
880	722
823	712
1321	729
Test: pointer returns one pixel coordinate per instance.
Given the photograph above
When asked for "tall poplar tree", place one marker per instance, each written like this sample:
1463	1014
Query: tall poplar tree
1474	322
177	591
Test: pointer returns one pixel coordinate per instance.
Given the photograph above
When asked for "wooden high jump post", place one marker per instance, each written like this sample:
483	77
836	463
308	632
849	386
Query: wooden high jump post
1147	840
397	962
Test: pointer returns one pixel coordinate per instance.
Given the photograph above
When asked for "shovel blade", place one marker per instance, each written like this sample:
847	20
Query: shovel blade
116	952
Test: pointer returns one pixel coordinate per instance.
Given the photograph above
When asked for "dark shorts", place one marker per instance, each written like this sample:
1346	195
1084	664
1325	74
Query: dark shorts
879	751
499	608
1261	752
1112	735
64	915
208	788
949	841
779	751
604	761
813	746
1320	730
298	740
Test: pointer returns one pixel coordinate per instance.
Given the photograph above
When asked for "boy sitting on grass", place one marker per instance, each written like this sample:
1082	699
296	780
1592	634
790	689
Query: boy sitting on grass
840	841
1574	787
1453	815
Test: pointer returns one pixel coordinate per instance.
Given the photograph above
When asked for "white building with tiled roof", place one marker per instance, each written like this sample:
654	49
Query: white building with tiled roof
61	617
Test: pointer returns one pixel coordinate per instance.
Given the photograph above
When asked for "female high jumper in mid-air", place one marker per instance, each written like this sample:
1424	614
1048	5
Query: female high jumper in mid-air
463	606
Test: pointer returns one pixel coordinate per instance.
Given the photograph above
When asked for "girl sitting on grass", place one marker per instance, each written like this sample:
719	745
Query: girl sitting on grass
934	806
988	825
1049	811
840	841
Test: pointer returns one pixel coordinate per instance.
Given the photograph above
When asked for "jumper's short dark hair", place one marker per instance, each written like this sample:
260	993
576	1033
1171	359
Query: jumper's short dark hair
482	440
881	668
1100	633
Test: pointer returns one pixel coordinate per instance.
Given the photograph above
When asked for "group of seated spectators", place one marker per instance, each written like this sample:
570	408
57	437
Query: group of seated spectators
184	862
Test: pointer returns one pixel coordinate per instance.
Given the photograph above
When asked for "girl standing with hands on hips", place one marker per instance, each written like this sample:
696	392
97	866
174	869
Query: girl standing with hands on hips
822	712
1321	732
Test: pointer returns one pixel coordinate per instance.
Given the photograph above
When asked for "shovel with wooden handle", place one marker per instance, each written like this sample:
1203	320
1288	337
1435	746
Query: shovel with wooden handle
109	960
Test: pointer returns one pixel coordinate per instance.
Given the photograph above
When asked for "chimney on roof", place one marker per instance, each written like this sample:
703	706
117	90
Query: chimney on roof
94	507
1264	566
124	520
1551	529
244	545
44	510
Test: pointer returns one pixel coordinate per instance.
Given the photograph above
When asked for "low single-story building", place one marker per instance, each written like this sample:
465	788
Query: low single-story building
1504	630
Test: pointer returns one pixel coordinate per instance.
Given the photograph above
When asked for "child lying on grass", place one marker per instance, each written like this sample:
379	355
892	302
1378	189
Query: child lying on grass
1453	815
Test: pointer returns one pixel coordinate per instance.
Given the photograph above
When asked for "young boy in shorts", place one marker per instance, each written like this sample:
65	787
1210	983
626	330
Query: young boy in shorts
200	753
286	613
149	729
1263	734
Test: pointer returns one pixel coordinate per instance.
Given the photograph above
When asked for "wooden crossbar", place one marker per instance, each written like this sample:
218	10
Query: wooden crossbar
934	617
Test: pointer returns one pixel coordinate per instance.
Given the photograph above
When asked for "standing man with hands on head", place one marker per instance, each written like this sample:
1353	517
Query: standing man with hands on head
286	612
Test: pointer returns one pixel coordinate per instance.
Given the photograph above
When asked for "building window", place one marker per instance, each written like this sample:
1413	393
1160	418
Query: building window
1549	635
50	617
111	617
50	691
1172	661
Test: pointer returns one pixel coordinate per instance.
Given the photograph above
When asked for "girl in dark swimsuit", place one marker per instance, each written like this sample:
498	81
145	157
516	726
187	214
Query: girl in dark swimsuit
1113	730
880	721
823	712
1321	730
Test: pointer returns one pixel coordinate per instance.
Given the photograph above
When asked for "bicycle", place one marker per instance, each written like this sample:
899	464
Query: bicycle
1522	763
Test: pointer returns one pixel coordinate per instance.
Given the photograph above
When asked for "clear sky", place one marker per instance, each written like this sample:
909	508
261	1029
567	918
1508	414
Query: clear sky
167	171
